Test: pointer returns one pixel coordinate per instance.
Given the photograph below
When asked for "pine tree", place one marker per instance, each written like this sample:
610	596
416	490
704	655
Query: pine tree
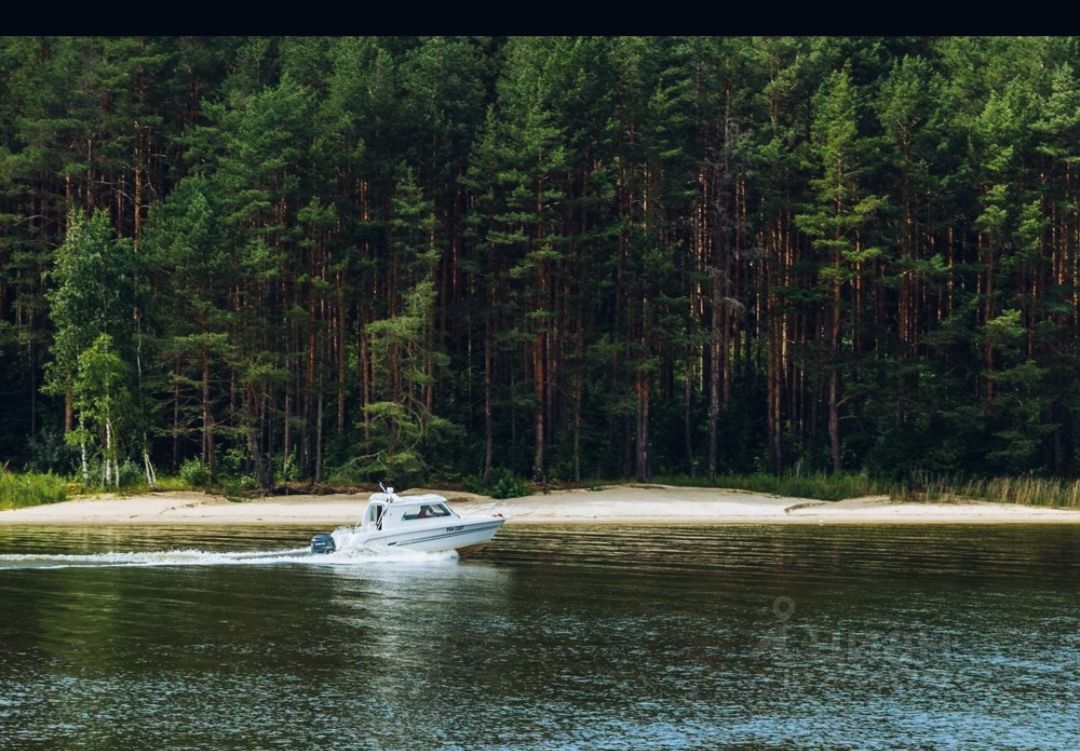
838	227
524	143
193	269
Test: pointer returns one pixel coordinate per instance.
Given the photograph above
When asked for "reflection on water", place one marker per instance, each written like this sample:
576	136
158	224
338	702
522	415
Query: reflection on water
577	637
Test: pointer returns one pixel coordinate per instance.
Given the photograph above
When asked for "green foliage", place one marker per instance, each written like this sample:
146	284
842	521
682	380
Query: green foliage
18	490
131	475
403	467
501	483
105	406
428	256
93	294
240	488
51	453
194	473
235	461
289	471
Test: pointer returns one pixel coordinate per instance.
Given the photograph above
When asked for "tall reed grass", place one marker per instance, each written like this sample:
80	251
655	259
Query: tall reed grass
1025	489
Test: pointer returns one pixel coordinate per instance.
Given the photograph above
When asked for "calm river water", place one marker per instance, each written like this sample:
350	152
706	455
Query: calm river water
552	638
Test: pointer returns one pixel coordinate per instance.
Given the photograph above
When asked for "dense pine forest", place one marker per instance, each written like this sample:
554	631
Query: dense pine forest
352	259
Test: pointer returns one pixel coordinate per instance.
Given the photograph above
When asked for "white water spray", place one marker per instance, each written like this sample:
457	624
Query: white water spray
349	553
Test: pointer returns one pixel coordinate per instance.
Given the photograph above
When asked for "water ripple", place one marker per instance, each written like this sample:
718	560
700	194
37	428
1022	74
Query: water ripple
552	638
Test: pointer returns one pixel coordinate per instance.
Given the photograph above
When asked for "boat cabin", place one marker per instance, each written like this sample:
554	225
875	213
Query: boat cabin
389	510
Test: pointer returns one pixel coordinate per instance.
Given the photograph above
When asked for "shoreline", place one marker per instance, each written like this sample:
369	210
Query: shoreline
612	505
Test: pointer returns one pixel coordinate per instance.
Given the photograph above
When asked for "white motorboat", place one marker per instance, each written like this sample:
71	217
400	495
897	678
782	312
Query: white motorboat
417	522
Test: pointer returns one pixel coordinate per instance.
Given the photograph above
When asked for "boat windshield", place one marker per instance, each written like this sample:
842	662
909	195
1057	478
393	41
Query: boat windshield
427	511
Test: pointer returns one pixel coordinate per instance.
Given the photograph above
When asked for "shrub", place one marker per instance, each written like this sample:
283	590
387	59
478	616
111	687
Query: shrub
502	483
131	473
194	473
290	471
239	488
234	462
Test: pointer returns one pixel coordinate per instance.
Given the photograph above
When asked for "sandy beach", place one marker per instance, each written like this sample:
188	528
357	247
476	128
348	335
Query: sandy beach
618	504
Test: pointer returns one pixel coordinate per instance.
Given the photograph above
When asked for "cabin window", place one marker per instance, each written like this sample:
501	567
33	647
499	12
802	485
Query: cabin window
428	511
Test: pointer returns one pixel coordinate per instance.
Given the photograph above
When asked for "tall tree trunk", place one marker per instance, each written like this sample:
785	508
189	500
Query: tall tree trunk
83	462
774	380
577	429
988	315
538	394
33	389
834	365
148	467
688	439
488	437
319	436
108	453
834	421
286	442
642	437
341	357
714	375
306	453
176	420
365	374
254	446
207	427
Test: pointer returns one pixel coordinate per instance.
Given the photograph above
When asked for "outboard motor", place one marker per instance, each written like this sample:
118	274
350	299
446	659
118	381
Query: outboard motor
323	543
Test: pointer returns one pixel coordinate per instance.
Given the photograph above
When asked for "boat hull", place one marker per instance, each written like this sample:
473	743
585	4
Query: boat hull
464	536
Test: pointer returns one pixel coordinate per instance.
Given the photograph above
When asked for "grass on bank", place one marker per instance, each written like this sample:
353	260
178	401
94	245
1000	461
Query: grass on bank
22	489
820	486
1024	490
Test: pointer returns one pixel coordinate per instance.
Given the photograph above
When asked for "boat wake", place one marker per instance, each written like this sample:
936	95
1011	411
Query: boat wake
349	553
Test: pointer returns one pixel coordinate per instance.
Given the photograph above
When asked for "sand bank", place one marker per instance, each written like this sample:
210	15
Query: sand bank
618	504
